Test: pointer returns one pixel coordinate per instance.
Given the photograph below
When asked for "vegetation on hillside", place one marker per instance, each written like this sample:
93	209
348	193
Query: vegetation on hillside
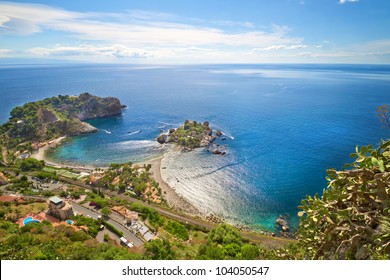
126	176
43	241
54	117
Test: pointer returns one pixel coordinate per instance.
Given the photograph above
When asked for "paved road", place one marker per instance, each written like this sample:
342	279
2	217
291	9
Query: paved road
94	214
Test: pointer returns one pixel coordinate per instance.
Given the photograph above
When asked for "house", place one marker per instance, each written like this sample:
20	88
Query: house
148	236
60	208
130	217
3	179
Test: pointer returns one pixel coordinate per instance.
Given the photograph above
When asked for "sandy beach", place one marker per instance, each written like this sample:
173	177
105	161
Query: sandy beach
40	155
173	199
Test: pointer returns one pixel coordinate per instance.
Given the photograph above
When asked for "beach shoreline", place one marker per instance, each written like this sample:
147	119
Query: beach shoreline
173	199
41	155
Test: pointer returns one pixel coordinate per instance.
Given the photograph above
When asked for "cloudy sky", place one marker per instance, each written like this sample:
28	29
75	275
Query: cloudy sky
198	31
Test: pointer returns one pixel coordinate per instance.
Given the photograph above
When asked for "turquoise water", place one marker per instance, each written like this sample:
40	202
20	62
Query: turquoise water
284	124
29	220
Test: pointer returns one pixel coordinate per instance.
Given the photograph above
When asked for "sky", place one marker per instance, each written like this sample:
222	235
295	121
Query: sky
198	31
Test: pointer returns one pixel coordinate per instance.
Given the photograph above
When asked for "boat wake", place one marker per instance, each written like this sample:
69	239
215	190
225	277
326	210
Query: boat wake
107	131
227	135
134	132
165	124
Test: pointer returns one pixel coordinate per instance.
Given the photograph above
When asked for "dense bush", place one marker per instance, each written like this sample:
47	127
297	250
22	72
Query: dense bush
159	250
177	229
31	164
112	228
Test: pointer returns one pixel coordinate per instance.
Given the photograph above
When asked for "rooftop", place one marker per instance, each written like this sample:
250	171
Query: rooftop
56	200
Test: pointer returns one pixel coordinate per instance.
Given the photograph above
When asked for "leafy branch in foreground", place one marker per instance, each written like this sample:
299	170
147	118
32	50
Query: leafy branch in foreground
383	114
352	219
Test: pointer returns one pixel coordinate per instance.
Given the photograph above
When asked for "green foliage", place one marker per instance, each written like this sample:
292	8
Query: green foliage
177	229
106	211
249	252
42	241
190	134
120	176
350	221
225	242
31	164
159	250
47	175
92	224
112	228
225	234
383	114
155	219
93	197
21	184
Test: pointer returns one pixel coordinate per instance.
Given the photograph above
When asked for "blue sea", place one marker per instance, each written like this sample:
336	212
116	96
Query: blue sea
285	125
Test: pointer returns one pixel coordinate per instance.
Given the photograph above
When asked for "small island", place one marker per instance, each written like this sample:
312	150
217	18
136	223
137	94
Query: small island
191	135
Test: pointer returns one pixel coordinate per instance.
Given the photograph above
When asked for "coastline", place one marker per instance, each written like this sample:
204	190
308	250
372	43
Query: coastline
41	155
173	199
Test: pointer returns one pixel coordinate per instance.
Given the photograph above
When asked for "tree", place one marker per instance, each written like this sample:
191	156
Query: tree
177	229
249	252
351	219
159	250
31	164
106	212
225	234
383	114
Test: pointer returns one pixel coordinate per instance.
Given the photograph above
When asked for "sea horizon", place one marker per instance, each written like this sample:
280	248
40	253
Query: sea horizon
284	124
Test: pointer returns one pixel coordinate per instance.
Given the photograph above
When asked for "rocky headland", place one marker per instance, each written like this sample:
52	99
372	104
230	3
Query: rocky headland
35	123
58	116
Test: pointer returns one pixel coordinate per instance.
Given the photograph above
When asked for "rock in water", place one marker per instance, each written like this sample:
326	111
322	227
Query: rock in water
172	130
218	133
162	139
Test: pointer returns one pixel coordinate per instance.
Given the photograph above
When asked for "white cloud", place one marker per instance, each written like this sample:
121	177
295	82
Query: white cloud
246	24
117	51
134	28
281	47
346	1
5	52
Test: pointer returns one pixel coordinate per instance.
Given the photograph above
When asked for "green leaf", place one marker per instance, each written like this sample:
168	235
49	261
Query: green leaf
381	166
375	161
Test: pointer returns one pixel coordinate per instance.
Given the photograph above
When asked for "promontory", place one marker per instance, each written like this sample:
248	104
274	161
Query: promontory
56	116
